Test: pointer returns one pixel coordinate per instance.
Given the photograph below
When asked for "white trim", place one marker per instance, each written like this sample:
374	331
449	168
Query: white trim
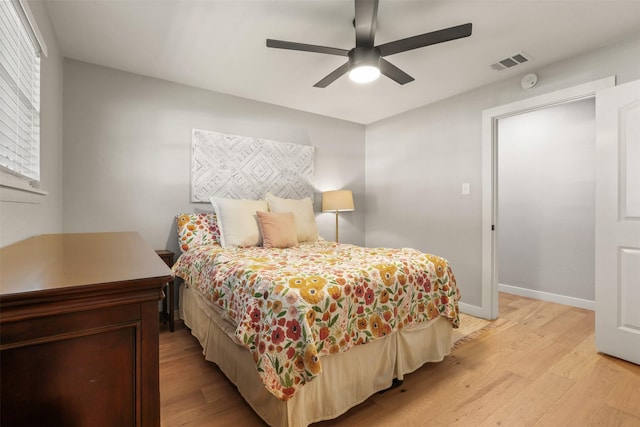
574	93
489	267
14	195
489	176
33	26
19	190
472	310
548	296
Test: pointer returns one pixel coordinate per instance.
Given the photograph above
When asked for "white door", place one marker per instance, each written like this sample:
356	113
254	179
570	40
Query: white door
618	221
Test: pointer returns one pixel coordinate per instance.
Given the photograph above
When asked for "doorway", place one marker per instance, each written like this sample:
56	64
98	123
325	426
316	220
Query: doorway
546	203
490	220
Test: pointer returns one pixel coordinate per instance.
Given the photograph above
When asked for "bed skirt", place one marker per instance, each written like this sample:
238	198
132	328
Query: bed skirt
347	379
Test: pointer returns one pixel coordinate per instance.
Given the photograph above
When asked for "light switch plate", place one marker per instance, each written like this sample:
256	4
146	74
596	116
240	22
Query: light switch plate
465	189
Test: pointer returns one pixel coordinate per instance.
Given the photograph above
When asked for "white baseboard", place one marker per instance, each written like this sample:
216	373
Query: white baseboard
547	296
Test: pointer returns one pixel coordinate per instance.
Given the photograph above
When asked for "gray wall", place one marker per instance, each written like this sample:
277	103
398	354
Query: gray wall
546	200
126	156
417	162
42	214
127	142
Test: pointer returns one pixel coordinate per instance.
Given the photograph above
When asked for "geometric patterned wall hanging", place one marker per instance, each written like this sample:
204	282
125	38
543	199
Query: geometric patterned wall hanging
241	167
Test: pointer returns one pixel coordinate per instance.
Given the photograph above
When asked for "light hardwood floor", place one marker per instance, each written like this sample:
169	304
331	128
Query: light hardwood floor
536	366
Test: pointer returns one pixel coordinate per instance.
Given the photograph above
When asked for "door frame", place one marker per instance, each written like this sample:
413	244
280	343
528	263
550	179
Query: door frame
490	117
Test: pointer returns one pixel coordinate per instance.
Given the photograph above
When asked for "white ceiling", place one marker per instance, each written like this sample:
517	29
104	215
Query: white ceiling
220	45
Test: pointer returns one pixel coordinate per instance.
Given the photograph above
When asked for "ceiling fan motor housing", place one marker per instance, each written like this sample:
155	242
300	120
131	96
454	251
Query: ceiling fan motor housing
359	56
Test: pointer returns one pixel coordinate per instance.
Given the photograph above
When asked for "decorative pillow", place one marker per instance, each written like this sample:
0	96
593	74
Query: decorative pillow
197	230
238	221
305	219
278	229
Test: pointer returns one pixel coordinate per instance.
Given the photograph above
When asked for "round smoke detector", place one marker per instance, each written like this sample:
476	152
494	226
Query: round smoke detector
529	81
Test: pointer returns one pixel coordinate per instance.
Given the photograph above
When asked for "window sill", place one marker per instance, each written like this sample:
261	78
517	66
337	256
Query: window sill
13	189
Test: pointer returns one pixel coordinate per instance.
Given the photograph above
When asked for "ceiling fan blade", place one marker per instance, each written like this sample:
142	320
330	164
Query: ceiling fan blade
365	22
427	39
280	44
394	73
333	76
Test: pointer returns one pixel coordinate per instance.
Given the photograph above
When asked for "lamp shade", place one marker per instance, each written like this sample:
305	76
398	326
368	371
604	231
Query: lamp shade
338	200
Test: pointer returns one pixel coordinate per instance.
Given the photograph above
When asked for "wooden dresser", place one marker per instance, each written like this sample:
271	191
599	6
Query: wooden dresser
79	331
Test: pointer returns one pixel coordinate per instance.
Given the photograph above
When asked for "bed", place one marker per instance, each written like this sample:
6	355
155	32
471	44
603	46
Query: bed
308	330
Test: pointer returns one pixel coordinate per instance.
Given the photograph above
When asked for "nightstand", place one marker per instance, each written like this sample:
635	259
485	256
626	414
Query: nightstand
168	303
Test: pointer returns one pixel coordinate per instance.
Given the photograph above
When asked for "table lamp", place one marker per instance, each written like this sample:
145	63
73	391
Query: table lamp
338	201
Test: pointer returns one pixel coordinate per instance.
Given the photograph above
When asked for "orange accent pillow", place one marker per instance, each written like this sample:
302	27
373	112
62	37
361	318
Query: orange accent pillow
197	229
278	229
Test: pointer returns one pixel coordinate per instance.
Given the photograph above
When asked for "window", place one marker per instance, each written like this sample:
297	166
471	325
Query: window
20	50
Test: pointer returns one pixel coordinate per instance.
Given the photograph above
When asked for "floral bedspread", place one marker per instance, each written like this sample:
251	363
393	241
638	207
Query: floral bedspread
292	306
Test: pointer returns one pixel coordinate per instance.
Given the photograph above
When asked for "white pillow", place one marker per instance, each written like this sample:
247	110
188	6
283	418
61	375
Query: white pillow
238	221
302	210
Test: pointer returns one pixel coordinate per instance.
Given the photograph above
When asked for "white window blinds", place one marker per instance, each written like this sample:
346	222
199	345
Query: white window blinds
19	93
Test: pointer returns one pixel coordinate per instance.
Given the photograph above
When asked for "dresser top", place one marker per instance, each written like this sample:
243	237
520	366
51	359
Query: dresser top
59	263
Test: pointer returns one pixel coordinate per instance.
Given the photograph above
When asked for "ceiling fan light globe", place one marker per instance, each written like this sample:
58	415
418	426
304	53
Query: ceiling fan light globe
364	74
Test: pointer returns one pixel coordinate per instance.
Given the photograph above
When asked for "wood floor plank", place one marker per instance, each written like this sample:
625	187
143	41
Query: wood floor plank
547	351
579	361
575	322
487	400
611	417
529	405
536	365
588	391
625	397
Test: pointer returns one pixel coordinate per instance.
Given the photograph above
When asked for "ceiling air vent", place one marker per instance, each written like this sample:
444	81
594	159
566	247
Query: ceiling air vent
511	61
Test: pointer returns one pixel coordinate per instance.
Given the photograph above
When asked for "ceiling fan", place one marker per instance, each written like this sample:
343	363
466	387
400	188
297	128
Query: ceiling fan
366	61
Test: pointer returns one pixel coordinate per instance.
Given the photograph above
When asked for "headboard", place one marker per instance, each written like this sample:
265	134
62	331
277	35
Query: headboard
243	167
